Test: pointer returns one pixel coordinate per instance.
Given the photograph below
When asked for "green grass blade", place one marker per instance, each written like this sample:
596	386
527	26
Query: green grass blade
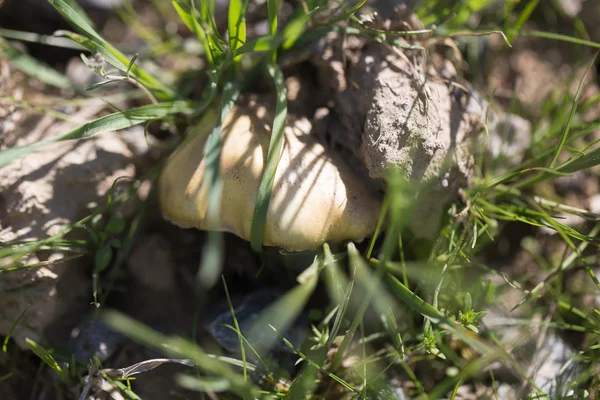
203	384
587	160
275	146
565	135
273	11
12	328
294	29
97	44
283	312
563	38
177	347
216	46
237	24
111	122
192	23
263	43
33	68
212	256
237	330
525	14
44	355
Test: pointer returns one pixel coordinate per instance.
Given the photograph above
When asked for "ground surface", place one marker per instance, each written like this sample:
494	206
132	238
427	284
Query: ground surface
481	283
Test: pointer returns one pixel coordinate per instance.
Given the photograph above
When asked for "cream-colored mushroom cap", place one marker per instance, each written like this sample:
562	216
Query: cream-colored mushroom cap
315	197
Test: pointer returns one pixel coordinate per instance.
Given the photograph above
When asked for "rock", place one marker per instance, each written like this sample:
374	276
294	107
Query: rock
544	355
41	193
548	363
392	112
570	8
509	138
92	338
506	392
247	310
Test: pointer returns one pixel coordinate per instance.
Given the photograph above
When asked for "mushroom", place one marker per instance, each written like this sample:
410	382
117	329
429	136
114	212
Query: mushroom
315	197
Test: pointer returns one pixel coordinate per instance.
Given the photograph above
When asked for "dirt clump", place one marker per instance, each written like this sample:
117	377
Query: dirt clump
398	109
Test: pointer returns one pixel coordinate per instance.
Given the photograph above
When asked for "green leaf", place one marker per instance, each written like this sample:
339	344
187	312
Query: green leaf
116	224
43	354
111	122
103	258
263	197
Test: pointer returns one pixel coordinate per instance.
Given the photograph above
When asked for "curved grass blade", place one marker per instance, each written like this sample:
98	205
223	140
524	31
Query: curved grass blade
294	29
557	36
45	356
212	256
12	328
111	122
275	146
264	43
237	24
97	44
177	347
193	25
565	135
282	313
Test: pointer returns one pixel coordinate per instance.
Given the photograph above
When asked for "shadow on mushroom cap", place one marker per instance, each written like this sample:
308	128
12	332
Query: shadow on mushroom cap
316	198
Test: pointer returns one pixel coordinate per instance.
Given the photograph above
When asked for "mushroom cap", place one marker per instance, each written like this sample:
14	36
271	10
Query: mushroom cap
315	198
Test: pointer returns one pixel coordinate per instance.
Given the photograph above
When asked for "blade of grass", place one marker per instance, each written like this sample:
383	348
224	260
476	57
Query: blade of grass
283	312
237	24
212	256
557	36
179	348
111	122
521	19
237	329
564	136
192	23
96	43
45	356
12	328
263	197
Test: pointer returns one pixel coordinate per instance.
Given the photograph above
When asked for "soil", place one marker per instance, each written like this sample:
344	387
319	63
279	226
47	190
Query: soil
378	107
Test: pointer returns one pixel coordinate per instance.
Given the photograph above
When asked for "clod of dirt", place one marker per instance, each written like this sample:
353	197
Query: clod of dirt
393	112
40	194
315	198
